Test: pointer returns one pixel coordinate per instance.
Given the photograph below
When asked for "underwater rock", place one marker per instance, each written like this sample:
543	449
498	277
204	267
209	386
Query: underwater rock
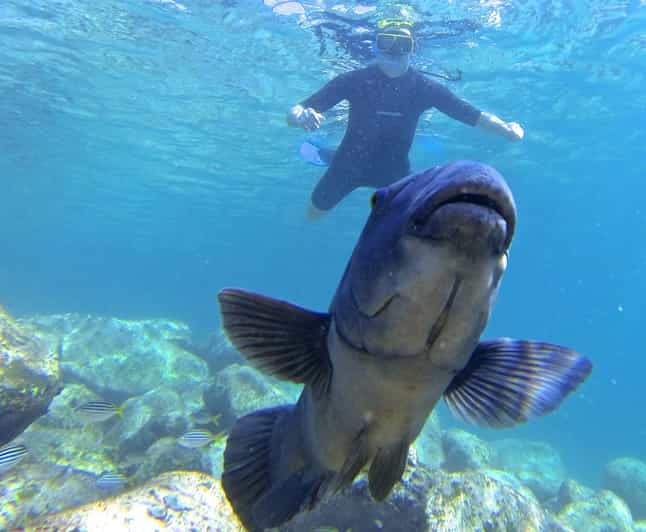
464	451
147	418
428	445
122	358
354	509
61	413
627	478
179	500
60	472
571	491
600	513
215	458
424	500
536	464
40	490
241	389
217	351
166	455
29	377
484	500
432	500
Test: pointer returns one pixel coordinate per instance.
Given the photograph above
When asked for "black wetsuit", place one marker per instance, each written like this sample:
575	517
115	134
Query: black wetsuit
383	117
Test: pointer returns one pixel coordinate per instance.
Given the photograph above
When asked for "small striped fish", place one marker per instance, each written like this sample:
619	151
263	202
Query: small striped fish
111	481
199	438
10	455
93	411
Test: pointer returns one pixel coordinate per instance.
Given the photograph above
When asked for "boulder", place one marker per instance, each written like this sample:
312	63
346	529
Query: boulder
600	513
167	455
429	443
464	451
61	471
30	376
536	464
432	500
178	500
570	492
627	478
146	418
484	500
218	352
119	358
240	389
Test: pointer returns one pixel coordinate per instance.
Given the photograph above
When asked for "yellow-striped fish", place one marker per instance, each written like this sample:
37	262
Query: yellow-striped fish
199	438
11	455
94	411
113	480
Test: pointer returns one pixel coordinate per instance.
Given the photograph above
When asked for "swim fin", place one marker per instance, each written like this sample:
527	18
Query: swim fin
313	153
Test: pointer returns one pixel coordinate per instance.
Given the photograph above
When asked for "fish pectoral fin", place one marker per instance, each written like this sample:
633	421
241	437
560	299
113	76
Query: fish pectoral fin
278	338
508	381
387	469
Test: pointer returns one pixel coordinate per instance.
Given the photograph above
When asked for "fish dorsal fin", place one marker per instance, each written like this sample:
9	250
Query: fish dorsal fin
278	338
508	381
387	469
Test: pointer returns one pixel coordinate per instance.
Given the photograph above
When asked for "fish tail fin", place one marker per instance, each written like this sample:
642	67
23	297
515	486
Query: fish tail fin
508	381
216	438
250	463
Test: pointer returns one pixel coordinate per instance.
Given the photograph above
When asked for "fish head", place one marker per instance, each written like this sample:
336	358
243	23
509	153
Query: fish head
428	262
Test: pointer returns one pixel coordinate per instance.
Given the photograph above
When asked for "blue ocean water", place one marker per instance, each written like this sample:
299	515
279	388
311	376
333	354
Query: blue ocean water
145	164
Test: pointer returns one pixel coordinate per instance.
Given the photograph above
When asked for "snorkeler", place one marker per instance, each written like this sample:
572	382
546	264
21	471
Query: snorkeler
386	100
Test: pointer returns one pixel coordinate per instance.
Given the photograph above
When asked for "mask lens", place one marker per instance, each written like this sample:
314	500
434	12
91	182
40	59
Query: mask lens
385	42
405	45
394	44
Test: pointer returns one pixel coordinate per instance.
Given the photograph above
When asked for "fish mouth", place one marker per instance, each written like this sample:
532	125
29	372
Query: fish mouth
476	199
462	210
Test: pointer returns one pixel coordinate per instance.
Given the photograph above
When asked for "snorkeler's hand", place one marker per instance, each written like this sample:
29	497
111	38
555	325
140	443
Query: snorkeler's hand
510	130
306	118
514	131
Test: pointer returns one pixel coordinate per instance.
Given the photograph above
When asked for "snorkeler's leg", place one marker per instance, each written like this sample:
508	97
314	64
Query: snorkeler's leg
327	154
312	152
330	190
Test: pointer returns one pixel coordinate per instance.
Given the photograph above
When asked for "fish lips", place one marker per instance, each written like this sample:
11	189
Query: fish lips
470	215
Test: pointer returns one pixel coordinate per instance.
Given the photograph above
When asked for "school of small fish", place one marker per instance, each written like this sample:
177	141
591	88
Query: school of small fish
97	411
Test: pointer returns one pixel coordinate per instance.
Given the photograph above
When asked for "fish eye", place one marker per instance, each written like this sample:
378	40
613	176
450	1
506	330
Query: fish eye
377	197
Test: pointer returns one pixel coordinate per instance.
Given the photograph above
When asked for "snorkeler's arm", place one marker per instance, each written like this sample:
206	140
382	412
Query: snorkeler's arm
510	130
307	114
438	96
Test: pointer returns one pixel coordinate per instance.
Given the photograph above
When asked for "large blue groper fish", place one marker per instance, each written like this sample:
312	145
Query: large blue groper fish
403	330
